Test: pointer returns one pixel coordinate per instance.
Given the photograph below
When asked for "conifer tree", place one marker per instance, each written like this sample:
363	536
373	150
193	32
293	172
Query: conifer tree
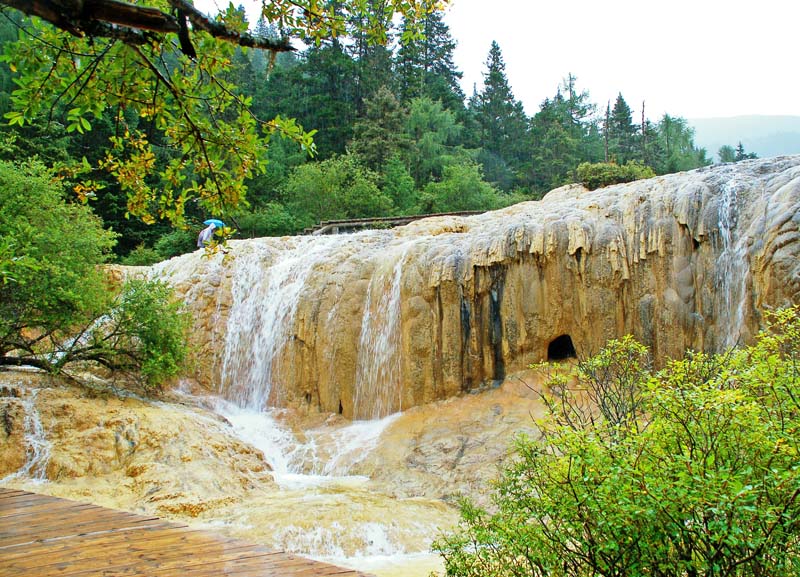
424	66
379	133
622	133
502	124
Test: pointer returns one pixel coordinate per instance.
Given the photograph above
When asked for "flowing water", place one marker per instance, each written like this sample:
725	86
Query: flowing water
732	268
378	373
323	508
37	447
265	293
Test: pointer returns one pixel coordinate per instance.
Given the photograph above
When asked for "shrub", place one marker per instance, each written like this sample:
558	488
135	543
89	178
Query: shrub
462	188
56	308
141	256
144	335
272	219
698	476
175	243
601	174
49	254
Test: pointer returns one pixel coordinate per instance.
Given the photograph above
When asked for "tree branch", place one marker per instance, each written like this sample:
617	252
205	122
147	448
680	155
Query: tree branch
133	23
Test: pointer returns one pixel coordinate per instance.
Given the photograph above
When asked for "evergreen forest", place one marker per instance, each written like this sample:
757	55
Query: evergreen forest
393	134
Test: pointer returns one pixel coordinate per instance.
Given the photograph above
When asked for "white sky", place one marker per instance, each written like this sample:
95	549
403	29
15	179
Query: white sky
690	58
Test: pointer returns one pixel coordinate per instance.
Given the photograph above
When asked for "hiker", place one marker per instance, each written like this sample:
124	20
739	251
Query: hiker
205	235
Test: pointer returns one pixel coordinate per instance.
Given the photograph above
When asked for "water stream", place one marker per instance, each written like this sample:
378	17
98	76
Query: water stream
323	509
37	447
264	303
732	268
378	372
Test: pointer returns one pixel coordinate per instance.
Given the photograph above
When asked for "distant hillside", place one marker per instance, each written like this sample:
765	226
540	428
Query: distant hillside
764	135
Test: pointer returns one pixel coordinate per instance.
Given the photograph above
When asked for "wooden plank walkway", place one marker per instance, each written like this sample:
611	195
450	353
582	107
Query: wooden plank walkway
43	536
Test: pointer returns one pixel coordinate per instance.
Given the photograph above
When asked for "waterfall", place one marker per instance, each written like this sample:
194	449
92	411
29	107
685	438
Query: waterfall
264	304
378	374
37	450
732	268
324	455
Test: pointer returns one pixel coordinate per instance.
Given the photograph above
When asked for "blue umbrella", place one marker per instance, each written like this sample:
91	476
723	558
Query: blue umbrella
217	223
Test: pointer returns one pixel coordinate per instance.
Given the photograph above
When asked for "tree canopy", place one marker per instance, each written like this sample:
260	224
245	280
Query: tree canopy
56	305
159	69
162	128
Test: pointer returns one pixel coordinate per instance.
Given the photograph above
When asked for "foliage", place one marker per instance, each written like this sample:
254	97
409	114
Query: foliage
562	135
742	155
179	91
50	251
336	188
143	336
273	219
623	134
726	153
434	133
397	183
424	65
55	304
141	256
673	147
462	188
502	120
699	477
601	174
174	243
378	135
182	139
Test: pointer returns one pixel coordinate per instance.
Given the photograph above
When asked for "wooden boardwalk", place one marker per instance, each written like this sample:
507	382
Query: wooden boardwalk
43	536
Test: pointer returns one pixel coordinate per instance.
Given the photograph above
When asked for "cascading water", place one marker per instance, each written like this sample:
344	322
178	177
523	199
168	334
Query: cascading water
37	448
264	303
378	374
323	456
732	268
318	468
322	509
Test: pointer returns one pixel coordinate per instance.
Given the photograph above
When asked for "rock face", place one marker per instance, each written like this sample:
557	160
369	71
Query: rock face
379	321
125	453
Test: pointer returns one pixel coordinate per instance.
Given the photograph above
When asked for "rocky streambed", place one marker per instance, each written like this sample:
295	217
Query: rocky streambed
366	494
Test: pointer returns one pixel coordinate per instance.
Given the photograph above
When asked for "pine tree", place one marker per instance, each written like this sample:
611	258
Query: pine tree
622	133
379	134
424	66
502	124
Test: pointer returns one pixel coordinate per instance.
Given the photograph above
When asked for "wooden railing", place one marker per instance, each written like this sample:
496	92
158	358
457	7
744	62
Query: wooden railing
354	224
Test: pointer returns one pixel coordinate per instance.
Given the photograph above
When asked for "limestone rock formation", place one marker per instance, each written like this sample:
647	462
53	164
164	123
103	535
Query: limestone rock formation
122	452
378	321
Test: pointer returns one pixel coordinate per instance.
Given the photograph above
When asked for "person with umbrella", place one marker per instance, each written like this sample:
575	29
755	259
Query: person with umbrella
208	232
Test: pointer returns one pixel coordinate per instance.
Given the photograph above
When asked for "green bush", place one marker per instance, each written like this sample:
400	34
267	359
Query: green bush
175	243
49	255
462	188
601	174
335	188
144	335
272	219
141	256
692	470
56	308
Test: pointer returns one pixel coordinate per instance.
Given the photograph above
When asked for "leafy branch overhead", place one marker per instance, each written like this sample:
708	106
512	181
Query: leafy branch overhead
183	131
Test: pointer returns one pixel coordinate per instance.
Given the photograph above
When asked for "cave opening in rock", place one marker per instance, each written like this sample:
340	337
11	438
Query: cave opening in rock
561	348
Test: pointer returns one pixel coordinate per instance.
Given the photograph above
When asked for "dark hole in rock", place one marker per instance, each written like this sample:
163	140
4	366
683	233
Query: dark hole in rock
561	348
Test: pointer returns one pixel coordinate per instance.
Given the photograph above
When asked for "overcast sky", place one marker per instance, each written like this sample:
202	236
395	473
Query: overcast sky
690	58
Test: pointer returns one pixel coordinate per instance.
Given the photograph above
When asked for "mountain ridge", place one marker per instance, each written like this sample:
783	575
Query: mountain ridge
765	135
